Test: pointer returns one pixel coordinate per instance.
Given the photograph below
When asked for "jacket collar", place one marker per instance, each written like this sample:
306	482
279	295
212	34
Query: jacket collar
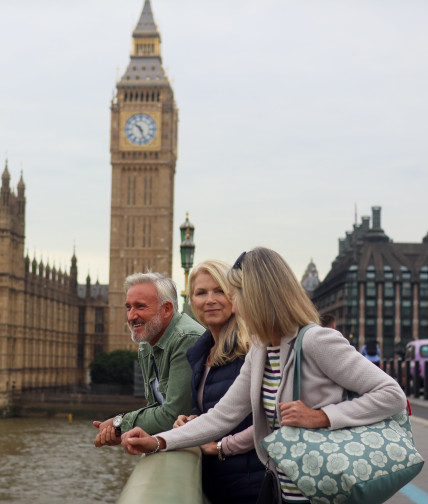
145	347
285	347
200	349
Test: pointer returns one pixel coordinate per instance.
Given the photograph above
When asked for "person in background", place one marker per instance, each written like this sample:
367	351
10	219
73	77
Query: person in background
328	320
274	306
164	336
371	351
231	470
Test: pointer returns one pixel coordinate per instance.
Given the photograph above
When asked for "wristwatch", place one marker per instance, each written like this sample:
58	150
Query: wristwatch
117	422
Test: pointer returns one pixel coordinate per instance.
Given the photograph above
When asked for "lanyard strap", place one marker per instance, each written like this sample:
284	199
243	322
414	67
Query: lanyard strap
297	361
154	365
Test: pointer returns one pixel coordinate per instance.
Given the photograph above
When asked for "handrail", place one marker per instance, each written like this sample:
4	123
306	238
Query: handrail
167	477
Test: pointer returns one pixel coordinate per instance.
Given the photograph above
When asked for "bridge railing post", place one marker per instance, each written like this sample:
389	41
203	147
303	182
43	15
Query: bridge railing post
426	380
408	379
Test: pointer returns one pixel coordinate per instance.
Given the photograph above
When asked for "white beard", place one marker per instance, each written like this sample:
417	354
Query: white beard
149	330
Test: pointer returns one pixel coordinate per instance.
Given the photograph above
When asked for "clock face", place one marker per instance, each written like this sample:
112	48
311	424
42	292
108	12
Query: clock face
140	129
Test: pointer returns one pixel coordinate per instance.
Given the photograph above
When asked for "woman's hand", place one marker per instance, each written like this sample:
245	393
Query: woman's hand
297	414
182	420
209	448
137	441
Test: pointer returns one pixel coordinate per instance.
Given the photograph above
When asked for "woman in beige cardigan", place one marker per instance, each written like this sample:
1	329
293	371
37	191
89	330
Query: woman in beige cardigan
274	305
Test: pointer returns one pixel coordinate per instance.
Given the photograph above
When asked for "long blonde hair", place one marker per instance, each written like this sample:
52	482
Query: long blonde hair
269	297
233	341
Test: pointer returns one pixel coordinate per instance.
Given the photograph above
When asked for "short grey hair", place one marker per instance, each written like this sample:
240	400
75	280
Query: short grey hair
167	291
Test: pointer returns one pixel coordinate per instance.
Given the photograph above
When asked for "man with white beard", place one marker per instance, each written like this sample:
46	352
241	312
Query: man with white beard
164	336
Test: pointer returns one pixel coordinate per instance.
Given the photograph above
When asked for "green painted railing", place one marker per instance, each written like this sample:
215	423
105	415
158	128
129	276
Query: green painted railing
166	477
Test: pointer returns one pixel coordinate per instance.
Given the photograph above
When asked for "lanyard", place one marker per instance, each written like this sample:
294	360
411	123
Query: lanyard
154	365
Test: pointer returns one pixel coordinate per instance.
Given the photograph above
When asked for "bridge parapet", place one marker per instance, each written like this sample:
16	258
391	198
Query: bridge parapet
166	477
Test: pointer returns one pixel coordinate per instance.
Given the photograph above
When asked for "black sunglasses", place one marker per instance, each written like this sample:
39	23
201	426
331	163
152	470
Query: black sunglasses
238	262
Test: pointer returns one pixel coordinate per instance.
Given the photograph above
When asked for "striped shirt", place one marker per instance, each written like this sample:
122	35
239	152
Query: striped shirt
271	380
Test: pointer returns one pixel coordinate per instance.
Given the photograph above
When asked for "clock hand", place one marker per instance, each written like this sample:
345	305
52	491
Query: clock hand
140	128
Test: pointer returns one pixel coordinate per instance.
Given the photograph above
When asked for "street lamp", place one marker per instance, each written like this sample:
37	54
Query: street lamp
187	251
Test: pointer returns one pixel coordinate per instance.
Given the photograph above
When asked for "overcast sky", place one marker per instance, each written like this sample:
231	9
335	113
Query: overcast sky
291	113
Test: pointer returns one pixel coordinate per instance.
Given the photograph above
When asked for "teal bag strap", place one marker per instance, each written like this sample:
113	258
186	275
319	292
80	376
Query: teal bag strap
297	361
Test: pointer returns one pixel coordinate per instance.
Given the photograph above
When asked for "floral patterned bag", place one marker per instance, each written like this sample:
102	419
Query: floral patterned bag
345	466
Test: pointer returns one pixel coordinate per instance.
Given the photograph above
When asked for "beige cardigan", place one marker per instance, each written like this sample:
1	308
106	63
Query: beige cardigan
329	365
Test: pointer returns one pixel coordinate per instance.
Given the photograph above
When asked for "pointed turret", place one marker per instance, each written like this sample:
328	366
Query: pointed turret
34	265
88	286
21	186
41	268
5	178
5	186
146	61
146	25
73	270
21	198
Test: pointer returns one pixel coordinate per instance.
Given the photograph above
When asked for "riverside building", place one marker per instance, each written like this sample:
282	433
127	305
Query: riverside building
376	288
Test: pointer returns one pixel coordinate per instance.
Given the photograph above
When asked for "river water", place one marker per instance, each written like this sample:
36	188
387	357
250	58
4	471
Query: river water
49	461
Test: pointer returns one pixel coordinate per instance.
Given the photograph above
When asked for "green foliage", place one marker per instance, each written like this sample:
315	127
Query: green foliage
116	367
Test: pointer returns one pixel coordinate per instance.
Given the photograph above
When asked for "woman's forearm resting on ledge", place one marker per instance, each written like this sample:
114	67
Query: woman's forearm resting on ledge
136	441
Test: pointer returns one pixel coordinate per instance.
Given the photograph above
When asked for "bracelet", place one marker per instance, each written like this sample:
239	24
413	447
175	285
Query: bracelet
220	453
157	447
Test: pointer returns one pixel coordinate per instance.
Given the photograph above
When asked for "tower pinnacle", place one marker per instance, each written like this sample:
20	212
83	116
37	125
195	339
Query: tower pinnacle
146	25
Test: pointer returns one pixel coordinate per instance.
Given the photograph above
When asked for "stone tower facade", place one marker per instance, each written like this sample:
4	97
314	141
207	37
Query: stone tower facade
143	147
12	281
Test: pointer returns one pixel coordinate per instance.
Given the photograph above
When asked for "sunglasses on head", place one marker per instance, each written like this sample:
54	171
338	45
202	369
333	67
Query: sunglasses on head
238	262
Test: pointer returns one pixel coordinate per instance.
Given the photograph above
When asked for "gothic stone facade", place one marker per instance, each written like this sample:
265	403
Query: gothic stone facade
50	327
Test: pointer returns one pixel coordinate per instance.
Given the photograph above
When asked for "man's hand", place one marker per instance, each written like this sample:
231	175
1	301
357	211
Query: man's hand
106	433
182	420
137	441
297	414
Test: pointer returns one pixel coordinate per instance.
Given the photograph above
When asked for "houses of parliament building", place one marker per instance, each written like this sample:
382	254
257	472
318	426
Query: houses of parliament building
50	326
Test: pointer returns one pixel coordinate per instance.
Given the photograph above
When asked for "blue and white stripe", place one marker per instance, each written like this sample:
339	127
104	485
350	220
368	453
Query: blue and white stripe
271	380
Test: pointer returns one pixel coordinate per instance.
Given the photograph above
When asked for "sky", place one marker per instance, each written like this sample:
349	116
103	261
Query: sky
295	117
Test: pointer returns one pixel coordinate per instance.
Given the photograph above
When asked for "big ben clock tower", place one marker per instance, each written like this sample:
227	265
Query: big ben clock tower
143	149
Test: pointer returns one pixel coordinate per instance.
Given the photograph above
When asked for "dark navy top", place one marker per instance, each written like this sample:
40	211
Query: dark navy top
237	480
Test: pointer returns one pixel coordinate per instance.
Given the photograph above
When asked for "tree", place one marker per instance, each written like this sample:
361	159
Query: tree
116	367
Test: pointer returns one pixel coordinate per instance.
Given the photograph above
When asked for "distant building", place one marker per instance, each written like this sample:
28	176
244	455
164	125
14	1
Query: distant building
310	280
377	289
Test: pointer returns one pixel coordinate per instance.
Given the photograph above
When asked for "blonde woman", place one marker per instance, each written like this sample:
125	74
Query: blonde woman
274	305
231	470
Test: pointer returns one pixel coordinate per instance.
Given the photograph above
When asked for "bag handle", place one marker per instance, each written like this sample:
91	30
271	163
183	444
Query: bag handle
297	361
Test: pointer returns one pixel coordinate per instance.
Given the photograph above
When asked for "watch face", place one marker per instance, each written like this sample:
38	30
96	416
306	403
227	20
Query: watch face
117	421
140	129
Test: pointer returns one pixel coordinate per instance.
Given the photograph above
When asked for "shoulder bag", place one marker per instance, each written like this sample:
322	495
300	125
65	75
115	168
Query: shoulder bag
354	465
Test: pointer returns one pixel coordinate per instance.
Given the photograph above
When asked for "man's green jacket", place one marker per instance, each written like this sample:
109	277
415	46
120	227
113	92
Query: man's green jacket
169	354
